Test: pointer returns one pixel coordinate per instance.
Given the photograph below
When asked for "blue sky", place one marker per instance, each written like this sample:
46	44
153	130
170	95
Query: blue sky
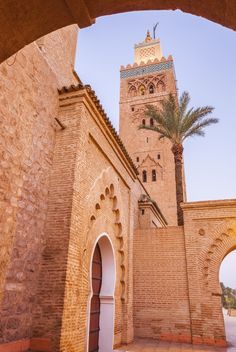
227	270
204	58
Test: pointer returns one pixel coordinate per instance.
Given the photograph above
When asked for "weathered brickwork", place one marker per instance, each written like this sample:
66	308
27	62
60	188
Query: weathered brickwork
90	194
28	105
210	234
161	304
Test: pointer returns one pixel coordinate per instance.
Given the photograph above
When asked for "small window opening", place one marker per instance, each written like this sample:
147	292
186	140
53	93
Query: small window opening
143	211
143	122
132	108
137	159
151	89
144	176
142	90
158	156
147	139
154	175
151	122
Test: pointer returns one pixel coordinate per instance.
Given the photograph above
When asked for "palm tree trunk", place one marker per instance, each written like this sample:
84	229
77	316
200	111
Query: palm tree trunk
177	150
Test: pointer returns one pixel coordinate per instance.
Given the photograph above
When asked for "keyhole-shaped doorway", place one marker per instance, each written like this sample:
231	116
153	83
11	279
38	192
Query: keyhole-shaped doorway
101	312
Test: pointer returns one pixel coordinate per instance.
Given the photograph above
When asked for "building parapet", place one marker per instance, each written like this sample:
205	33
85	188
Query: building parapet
209	204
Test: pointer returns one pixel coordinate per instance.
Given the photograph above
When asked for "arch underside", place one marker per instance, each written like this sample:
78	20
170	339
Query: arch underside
37	18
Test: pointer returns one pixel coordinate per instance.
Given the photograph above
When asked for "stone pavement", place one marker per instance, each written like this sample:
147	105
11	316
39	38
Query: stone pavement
230	328
144	345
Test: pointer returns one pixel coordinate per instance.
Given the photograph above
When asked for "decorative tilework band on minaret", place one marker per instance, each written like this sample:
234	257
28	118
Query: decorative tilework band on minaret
148	81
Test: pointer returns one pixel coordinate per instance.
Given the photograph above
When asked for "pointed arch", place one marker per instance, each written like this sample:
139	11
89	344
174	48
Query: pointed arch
132	91
151	88
142	89
101	301
161	87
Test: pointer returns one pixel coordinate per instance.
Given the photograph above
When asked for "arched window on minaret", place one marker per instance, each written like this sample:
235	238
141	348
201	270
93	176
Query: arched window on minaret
132	91
143	122
144	176
160	87
151	89
151	122
154	175
142	89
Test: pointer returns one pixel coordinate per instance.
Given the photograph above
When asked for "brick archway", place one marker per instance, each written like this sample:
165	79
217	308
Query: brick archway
37	18
220	247
223	244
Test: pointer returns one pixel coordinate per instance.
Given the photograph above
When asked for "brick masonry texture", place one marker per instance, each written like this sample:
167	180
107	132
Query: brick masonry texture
61	188
161	304
28	106
148	152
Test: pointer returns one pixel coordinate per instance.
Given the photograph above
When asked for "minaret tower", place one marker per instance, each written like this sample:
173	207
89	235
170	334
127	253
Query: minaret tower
148	81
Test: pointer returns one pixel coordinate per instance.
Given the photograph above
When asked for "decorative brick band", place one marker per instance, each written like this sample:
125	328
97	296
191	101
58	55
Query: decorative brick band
140	71
35	344
15	346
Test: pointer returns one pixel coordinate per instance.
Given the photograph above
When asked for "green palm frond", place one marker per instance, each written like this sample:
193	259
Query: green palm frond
175	121
198	128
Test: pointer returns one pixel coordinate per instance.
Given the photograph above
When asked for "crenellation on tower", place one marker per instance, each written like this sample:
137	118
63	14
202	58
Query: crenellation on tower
148	81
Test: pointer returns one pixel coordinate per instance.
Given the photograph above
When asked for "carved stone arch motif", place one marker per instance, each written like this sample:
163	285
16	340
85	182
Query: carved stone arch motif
132	91
160	86
222	245
103	190
151	88
142	89
149	163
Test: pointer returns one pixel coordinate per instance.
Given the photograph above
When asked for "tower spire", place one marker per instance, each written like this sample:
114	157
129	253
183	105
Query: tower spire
148	37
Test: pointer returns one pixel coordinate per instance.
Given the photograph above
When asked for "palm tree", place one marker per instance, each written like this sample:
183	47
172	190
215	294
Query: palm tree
176	122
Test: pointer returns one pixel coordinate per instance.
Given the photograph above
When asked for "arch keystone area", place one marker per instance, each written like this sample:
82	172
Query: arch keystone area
37	18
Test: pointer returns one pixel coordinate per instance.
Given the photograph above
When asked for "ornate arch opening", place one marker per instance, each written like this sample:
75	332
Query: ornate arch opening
142	89
101	301
227	278
222	244
132	91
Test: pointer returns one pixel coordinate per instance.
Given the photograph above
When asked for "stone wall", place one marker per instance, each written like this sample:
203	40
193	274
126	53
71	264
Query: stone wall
161	305
28	106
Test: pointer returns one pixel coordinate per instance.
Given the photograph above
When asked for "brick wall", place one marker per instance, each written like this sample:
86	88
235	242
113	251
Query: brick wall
161	305
28	105
93	191
147	151
210	234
